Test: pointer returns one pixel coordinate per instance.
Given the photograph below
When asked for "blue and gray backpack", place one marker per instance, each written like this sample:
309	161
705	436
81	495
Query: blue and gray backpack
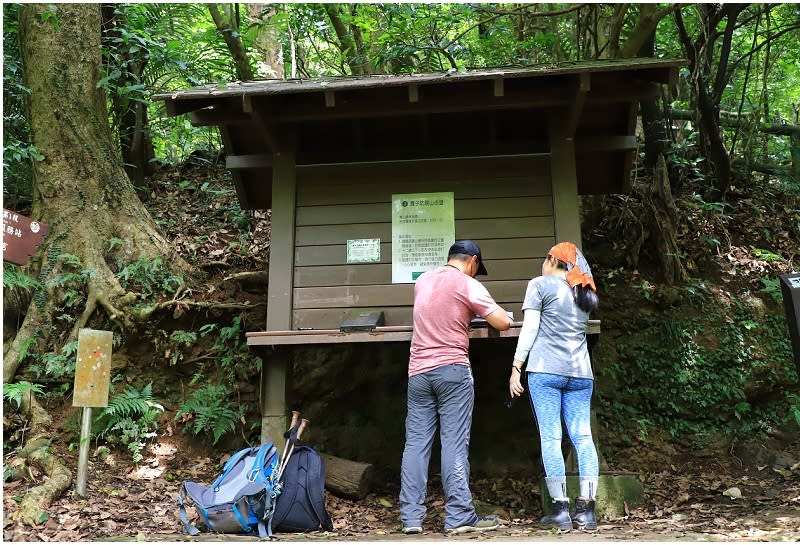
241	500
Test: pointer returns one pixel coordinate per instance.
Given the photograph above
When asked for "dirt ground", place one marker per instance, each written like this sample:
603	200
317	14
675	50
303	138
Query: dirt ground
684	501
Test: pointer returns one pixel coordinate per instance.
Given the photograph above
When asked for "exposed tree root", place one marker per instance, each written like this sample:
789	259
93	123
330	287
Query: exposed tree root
256	281
98	294
12	357
36	451
145	313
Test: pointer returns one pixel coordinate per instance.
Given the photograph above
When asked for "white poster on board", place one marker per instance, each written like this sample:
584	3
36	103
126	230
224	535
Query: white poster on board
364	250
423	229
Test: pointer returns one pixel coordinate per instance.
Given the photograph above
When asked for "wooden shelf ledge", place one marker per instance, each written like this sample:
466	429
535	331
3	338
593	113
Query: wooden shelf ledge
379	334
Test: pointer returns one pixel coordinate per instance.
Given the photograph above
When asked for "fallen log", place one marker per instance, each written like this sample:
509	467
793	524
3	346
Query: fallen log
347	478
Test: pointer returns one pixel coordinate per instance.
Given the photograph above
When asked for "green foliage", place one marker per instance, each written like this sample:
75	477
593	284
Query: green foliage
162	46
150	277
767	255
236	360
14	279
15	391
130	419
772	287
794	408
686	373
70	285
18	150
210	410
177	340
56	365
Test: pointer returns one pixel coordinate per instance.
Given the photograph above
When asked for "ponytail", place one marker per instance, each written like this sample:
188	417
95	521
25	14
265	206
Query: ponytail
586	298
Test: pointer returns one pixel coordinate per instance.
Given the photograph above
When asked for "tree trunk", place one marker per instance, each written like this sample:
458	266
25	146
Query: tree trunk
267	41
229	29
649	17
653	122
666	220
81	189
700	53
349	37
130	114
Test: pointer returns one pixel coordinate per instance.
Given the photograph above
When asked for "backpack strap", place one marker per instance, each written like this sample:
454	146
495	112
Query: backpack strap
188	527
265	452
317	499
230	463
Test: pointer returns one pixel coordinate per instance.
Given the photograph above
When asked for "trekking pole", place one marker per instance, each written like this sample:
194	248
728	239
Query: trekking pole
291	442
287	433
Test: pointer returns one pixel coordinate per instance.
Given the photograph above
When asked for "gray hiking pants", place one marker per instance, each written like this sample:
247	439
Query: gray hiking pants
443	396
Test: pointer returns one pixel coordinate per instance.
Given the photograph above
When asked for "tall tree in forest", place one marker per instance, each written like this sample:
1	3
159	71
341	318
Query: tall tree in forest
267	42
81	189
228	24
126	61
351	41
710	76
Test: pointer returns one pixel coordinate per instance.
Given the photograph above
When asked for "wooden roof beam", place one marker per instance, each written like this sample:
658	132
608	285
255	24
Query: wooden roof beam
178	107
218	115
238	183
380	107
253	160
605	143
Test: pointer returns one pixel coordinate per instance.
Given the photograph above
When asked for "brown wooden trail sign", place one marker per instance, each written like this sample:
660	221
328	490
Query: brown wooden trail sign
21	237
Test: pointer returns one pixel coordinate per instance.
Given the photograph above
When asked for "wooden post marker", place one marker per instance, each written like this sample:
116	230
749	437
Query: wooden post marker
92	377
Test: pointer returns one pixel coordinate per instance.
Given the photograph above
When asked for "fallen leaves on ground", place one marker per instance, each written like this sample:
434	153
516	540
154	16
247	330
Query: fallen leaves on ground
682	500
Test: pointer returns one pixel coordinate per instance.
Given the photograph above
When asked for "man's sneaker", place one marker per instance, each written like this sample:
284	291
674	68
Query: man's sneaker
412	529
483	524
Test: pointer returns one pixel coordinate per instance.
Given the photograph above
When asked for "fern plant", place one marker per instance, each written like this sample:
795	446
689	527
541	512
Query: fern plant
130	419
210	410
151	277
13	279
15	391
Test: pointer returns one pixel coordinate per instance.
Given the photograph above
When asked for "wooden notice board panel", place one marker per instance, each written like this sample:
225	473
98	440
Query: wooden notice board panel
21	237
93	368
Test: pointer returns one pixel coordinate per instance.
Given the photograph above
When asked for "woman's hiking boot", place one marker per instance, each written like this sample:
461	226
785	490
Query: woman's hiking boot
584	518
559	516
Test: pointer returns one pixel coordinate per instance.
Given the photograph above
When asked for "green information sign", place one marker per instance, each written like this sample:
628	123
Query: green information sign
423	229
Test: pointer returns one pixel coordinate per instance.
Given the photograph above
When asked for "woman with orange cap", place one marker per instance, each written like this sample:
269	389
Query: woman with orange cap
559	377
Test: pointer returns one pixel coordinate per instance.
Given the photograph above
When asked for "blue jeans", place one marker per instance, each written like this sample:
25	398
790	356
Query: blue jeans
554	396
443	396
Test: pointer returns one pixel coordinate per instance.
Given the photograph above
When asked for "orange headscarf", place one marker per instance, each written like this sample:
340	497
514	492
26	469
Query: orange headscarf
578	271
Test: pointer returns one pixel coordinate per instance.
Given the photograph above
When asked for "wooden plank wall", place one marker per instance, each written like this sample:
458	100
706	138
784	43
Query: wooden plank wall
504	204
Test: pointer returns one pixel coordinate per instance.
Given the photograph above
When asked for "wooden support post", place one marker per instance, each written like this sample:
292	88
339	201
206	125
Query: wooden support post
563	175
279	306
576	109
